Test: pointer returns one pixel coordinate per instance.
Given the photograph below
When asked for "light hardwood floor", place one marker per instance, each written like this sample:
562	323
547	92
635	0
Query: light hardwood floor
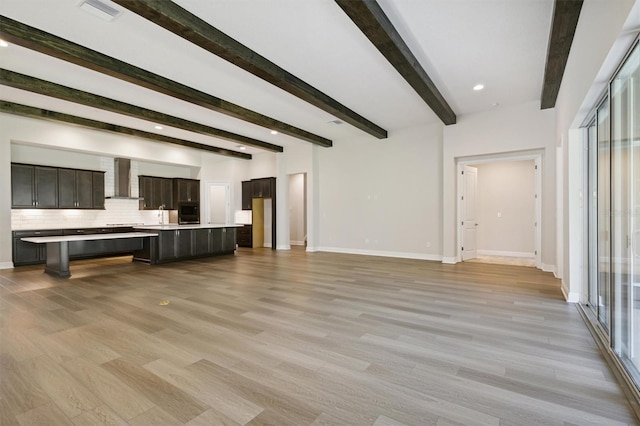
294	338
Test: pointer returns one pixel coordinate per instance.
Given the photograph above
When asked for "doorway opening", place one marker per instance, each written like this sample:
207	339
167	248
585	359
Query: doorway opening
298	209
218	202
499	210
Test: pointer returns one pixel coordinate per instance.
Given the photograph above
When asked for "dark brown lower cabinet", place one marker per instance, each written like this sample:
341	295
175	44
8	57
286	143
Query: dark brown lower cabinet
184	240
201	241
245	236
29	253
180	244
32	254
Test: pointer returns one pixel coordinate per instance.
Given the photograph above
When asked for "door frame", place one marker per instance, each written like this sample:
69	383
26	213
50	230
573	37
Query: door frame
536	156
207	197
304	208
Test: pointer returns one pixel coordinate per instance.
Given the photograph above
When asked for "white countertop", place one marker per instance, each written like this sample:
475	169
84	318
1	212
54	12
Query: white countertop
88	237
171	227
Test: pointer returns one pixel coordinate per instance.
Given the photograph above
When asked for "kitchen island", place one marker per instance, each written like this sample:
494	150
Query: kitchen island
57	258
179	242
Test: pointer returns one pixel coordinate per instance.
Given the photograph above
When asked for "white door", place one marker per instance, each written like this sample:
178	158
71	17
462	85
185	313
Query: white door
469	214
219	203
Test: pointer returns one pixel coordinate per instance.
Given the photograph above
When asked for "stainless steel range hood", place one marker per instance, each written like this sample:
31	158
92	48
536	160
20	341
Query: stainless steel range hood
122	174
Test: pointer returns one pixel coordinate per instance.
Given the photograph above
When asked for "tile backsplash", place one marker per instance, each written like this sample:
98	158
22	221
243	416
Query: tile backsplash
116	212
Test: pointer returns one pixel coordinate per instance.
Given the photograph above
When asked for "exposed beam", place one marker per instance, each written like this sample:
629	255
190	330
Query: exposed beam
563	28
32	38
183	23
33	112
43	87
376	26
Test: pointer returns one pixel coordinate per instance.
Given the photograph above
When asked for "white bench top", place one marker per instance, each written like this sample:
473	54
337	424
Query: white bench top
88	237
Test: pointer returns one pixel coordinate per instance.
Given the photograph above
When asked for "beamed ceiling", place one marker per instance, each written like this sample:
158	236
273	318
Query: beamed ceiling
222	73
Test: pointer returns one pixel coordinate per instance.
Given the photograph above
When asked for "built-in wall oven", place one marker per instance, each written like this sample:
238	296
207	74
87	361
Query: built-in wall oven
188	213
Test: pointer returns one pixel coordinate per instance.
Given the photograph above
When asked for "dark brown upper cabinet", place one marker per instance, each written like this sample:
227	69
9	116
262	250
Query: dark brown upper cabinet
75	189
263	188
247	195
34	186
98	190
156	192
45	187
186	190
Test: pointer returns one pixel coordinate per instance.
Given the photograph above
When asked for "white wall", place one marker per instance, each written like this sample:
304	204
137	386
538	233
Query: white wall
506	208
506	129
5	201
383	196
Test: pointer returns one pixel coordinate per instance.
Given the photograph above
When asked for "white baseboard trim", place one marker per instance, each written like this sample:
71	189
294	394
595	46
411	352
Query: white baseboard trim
266	245
570	297
450	260
296	243
311	249
283	247
522	254
6	265
396	254
550	268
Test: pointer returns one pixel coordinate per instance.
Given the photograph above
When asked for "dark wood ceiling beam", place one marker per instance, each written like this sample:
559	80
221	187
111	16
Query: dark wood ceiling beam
32	38
181	22
563	27
33	112
43	87
376	26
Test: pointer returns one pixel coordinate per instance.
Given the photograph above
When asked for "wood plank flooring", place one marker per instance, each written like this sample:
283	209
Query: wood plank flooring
295	338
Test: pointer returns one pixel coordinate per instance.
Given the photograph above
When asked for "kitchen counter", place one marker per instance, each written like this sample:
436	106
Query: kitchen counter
173	226
89	237
173	242
57	257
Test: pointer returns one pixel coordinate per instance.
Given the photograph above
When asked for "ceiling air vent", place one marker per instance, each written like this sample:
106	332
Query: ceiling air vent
100	8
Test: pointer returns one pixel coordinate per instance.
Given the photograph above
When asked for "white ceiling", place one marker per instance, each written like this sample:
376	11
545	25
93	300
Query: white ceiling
499	43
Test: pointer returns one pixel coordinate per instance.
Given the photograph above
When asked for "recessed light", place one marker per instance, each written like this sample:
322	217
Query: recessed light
241	147
274	132
157	127
4	43
478	87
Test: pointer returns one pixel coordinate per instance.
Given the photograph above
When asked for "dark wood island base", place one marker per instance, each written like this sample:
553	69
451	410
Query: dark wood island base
181	242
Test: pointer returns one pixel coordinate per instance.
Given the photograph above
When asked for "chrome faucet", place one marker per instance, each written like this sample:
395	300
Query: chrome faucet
161	214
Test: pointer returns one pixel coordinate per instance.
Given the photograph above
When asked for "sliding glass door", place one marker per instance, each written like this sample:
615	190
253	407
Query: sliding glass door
592	219
613	216
604	210
625	209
